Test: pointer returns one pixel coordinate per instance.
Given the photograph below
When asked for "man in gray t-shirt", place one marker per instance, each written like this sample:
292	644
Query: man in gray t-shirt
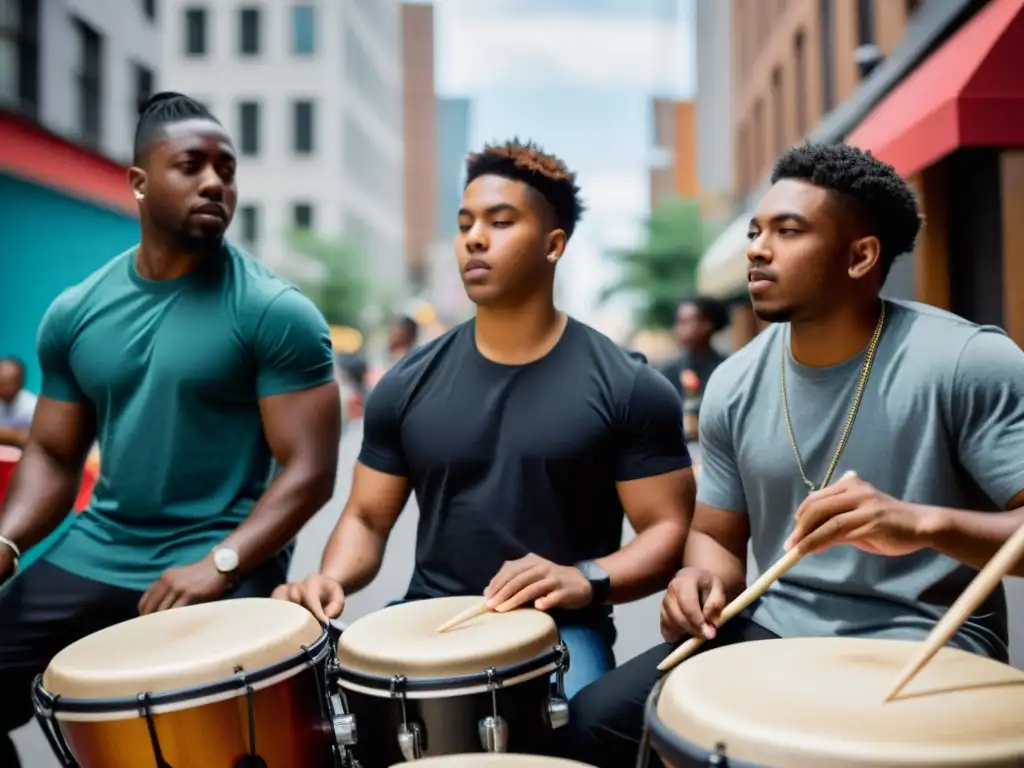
898	507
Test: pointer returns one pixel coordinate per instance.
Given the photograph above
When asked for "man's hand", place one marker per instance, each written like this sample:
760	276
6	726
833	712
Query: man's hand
200	582
320	595
852	511
691	606
534	579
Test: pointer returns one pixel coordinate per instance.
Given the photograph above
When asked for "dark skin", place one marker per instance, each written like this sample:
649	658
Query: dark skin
823	275
189	167
12	381
509	228
692	329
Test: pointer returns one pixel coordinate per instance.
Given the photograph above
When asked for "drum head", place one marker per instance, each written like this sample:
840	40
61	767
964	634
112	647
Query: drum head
809	702
403	640
494	761
181	648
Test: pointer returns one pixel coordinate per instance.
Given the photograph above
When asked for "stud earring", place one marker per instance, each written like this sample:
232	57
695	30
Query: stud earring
139	196
552	258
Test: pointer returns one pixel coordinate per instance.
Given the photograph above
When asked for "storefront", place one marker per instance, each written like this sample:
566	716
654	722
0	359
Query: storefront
64	212
955	128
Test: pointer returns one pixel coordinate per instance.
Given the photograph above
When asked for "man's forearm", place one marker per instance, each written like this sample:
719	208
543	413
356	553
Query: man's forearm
702	551
647	563
971	538
354	552
290	501
13	436
41	494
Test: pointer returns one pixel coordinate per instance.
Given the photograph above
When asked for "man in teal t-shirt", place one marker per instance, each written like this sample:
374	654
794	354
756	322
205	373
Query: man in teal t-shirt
194	367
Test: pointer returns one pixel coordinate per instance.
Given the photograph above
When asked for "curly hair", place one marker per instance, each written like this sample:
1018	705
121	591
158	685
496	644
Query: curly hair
872	188
528	163
715	311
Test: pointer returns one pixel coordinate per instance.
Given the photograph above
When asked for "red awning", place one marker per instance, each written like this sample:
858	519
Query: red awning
29	152
969	93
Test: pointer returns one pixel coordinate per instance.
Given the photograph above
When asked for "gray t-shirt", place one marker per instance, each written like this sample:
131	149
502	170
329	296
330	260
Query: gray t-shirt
941	423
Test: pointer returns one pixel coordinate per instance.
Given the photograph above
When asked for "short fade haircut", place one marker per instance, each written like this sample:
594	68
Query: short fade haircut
715	311
872	188
162	109
545	173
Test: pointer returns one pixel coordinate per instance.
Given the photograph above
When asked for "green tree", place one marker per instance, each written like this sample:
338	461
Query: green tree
663	270
346	290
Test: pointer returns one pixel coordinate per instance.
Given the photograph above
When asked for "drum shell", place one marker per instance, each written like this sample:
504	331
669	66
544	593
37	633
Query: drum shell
291	730
449	722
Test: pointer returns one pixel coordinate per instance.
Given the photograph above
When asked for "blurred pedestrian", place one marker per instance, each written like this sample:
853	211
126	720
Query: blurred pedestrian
17	404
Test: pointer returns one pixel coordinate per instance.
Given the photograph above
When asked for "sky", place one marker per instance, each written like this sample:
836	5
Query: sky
576	76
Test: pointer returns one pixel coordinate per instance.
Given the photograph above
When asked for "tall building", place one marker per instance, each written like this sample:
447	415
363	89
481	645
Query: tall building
312	95
673	170
454	117
420	127
715	170
929	86
71	75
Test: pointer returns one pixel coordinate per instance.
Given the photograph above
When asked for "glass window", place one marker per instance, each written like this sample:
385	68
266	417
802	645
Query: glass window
249	224
19	54
302	215
89	83
303	29
249	31
144	81
149	9
303	118
195	31
249	128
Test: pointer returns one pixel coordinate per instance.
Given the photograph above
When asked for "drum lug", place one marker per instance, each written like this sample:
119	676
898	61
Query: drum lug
494	734
718	757
345	732
410	740
558	712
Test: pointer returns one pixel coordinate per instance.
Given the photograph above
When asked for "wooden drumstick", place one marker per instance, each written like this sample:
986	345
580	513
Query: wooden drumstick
745	598
462	618
981	587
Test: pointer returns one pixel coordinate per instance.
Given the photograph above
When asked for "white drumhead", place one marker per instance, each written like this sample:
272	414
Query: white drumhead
494	761
180	648
403	640
812	702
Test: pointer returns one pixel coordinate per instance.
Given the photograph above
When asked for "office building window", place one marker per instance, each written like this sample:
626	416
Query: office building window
89	83
779	139
911	7
19	54
149	9
303	29
827	45
249	128
144	81
249	31
249	225
195	31
302	215
800	83
303	127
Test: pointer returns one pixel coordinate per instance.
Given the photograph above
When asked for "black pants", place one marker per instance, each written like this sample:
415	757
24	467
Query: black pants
46	609
606	719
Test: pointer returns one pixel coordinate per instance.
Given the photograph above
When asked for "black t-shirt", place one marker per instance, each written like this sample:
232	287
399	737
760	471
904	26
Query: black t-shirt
703	366
507	460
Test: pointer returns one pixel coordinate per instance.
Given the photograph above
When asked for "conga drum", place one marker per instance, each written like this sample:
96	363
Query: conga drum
234	684
816	702
494	761
484	686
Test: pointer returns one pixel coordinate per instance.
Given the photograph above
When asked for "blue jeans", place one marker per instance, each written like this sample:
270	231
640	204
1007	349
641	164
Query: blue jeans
590	657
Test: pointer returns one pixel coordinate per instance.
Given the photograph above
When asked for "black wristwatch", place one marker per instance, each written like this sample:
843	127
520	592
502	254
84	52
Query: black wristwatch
600	582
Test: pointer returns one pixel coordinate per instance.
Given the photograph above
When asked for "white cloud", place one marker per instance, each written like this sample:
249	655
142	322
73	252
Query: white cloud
478	53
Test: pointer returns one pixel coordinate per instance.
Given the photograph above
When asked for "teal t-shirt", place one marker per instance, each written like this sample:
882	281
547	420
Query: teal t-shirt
175	371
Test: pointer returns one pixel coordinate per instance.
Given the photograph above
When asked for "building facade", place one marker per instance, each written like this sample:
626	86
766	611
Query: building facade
673	170
73	73
311	93
420	128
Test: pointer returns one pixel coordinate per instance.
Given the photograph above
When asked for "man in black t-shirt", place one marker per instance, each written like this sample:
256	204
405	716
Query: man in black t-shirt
525	435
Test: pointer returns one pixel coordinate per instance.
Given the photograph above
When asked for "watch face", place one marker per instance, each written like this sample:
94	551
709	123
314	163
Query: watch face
225	560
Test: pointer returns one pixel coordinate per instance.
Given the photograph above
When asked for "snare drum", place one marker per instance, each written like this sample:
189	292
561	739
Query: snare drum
484	686
813	702
494	761
218	685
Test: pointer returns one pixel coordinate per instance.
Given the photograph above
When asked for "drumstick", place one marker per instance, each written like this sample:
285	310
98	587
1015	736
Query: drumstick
462	618
749	595
981	587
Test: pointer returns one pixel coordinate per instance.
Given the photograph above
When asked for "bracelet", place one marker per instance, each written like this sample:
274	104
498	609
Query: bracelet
14	548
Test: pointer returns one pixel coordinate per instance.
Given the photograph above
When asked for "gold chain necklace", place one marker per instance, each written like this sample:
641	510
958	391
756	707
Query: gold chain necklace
865	371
